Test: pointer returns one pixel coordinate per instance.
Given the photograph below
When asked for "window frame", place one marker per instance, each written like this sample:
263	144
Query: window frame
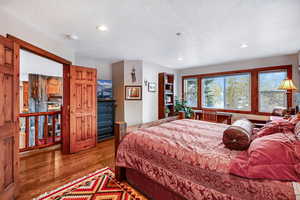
183	92
254	91
259	91
223	76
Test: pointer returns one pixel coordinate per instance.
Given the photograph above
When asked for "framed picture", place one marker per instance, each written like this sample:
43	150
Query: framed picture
133	92
151	87
104	89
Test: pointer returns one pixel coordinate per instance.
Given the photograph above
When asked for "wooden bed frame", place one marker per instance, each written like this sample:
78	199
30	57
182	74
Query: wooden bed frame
120	131
138	180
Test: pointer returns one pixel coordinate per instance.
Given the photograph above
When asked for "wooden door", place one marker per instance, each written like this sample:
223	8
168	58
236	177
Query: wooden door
83	108
9	109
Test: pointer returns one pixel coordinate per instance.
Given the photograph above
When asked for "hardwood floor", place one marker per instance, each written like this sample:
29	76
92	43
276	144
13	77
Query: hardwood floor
48	170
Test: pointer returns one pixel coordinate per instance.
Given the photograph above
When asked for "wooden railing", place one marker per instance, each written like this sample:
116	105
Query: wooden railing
31	126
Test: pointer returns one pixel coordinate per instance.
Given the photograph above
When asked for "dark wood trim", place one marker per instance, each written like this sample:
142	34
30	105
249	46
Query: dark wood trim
165	83
254	87
7	43
199	93
36	130
199	85
53	128
181	115
65	120
254	92
221	117
182	88
36	50
39	114
39	147
289	93
24	154
16	61
27	129
287	67
119	131
225	110
36	116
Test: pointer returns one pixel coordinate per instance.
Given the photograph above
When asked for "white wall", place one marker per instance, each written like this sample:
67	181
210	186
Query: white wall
248	64
133	109
104	67
31	63
150	99
137	111
11	25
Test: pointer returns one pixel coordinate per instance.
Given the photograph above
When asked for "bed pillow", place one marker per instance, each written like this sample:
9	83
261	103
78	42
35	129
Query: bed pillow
297	130
238	135
278	126
294	120
275	156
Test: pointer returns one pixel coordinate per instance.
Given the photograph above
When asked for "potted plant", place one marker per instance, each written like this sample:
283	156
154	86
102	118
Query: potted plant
180	106
167	111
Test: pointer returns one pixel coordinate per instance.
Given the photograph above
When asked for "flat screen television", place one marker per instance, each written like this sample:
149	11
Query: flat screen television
104	89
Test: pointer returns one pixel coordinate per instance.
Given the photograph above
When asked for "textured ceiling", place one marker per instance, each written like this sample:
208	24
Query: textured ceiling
212	30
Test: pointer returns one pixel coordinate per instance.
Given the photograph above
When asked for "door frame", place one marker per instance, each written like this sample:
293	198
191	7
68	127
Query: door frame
65	117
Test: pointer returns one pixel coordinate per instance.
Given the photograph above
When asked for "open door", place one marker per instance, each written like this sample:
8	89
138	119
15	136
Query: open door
83	108
9	109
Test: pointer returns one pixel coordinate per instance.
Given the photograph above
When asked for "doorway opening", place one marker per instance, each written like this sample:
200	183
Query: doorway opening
52	113
41	100
65	108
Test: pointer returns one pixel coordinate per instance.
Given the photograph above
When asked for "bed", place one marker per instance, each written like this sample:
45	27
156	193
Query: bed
180	159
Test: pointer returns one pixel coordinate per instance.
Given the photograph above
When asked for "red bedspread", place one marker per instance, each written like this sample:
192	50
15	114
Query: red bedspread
188	157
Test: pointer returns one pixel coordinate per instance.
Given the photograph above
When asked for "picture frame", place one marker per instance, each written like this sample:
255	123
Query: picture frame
151	87
133	92
104	89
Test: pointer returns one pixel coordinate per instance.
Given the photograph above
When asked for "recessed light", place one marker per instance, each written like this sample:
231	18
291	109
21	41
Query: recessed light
180	59
243	46
102	28
72	37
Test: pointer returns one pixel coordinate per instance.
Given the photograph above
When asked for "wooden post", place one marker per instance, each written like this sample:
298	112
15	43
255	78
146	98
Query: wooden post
193	115
46	129
27	132
181	115
36	130
120	131
53	127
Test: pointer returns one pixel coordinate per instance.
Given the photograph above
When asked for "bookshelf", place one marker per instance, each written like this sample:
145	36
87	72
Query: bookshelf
165	94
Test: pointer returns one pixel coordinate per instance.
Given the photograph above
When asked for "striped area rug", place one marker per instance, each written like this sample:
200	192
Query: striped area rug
100	185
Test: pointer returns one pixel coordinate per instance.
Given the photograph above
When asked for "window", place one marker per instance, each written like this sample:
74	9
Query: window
251	91
269	96
191	92
231	92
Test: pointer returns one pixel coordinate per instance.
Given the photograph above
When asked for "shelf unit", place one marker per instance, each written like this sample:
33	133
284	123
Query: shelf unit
165	94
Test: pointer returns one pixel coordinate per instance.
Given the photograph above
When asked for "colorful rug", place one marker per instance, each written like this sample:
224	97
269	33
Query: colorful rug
100	185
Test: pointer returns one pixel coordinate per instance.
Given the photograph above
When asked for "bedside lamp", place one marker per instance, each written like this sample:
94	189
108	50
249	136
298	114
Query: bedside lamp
289	86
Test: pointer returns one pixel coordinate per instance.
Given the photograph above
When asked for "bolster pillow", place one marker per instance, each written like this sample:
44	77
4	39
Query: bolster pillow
238	135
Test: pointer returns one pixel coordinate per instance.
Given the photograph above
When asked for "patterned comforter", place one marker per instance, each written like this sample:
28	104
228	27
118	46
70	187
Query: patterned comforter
188	157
